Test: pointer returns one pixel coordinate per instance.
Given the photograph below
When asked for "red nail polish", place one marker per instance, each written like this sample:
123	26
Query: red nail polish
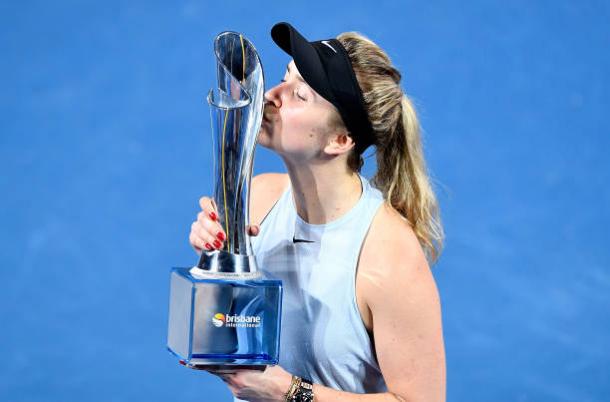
182	362
221	236
208	246
213	216
217	244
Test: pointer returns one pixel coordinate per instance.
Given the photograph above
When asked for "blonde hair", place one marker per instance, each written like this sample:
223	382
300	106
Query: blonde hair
401	169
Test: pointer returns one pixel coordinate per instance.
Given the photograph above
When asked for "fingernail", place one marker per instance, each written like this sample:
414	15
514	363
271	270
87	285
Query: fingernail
208	246
182	362
217	244
221	236
213	216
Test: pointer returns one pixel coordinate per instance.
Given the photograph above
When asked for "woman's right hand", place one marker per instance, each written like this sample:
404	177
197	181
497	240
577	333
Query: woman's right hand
206	232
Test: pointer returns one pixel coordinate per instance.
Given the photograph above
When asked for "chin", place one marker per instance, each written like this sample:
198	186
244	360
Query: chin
263	139
264	145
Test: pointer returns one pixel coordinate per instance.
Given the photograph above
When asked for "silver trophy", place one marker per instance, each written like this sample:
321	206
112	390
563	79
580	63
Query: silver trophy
223	311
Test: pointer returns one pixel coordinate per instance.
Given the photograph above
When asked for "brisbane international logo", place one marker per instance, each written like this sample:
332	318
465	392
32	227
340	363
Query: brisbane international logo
236	321
218	320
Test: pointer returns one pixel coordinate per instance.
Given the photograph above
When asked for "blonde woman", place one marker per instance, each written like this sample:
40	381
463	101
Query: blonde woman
361	317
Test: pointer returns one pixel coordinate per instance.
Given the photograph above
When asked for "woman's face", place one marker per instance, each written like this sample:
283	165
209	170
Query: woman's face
296	122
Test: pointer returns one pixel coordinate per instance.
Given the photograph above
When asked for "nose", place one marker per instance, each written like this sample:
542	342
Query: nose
273	96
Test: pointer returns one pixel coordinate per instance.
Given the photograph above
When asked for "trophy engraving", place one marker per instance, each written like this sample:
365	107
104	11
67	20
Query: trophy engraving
223	311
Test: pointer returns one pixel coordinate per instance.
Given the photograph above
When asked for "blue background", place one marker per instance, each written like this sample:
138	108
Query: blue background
104	152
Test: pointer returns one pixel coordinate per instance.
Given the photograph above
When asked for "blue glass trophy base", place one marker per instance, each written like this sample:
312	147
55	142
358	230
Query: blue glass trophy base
227	321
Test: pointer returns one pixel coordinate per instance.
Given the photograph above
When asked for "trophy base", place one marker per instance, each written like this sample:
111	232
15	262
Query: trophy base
225	322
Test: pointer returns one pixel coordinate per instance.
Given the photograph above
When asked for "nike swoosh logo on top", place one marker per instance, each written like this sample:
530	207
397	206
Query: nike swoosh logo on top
328	44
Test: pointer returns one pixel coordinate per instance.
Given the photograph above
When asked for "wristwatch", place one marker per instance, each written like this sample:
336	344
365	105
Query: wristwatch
304	392
301	390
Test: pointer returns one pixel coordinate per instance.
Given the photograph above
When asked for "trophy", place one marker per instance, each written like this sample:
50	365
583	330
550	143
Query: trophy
223	311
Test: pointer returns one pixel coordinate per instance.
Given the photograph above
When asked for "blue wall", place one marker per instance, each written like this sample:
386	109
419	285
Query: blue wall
104	152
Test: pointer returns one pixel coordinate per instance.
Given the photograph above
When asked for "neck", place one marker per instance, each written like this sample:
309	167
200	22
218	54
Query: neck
323	193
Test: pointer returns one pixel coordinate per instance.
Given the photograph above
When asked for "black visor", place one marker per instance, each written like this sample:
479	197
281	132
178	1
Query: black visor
326	68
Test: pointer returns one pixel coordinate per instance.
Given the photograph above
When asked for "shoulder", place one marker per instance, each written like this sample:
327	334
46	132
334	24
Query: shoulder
265	190
391	231
394	260
274	182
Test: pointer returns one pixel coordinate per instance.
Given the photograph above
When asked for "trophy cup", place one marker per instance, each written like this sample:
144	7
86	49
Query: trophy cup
222	311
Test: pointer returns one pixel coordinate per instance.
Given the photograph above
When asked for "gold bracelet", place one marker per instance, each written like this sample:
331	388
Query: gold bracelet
292	389
294	386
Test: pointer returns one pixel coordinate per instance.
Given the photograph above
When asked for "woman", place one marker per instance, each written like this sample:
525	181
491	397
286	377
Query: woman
361	313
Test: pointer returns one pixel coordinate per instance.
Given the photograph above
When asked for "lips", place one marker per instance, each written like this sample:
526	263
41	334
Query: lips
268	112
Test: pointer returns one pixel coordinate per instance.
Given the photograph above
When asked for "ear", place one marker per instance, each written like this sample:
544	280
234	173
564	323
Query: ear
339	142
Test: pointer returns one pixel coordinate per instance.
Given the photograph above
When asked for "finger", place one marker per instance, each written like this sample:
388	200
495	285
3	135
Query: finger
254	230
197	240
212	228
194	243
208	232
197	250
209	207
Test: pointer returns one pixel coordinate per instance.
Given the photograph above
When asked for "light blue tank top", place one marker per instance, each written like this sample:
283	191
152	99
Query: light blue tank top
322	334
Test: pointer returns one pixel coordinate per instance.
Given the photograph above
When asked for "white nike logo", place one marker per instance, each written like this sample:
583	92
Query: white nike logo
328	44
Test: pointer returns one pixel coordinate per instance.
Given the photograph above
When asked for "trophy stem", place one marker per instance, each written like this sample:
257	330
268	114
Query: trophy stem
224	182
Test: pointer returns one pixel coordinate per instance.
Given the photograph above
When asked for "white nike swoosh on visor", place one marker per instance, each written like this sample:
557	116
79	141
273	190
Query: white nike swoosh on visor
328	44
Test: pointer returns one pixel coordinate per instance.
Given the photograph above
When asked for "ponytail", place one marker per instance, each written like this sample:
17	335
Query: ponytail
402	177
401	169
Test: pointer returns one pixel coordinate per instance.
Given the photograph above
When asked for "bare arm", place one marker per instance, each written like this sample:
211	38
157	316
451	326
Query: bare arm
404	302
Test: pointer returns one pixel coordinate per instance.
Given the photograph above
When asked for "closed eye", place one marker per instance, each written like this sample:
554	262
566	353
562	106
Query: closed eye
298	92
295	91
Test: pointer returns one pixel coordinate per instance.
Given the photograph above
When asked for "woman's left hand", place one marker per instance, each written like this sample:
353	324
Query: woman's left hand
254	385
